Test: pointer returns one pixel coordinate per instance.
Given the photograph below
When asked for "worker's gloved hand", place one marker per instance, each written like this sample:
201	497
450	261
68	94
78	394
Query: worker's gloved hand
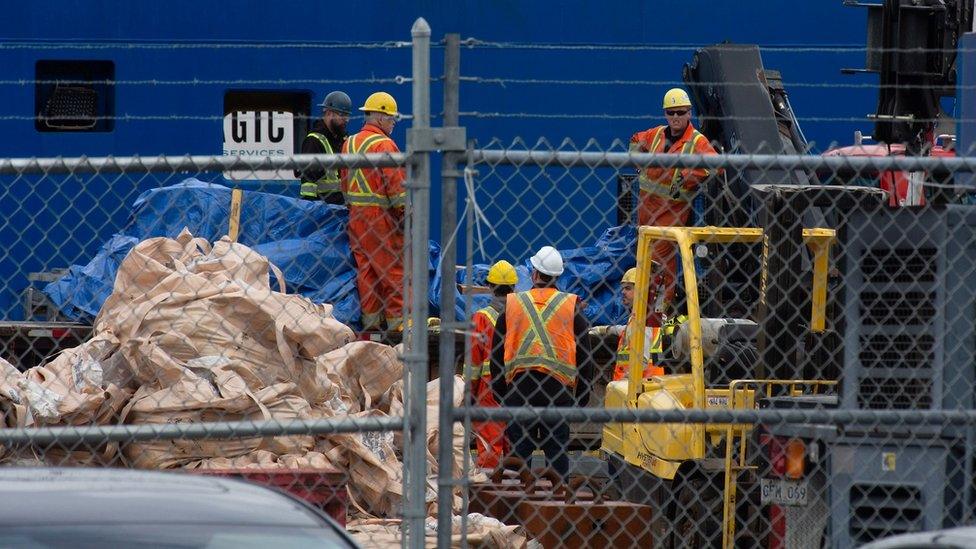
614	330
676	187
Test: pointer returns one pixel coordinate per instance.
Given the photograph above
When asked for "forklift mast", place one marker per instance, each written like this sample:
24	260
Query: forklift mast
912	46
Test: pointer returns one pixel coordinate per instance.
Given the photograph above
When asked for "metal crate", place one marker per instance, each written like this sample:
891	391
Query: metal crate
887	489
910	309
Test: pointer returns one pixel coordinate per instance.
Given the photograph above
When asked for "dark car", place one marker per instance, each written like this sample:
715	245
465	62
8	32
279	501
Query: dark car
80	508
963	537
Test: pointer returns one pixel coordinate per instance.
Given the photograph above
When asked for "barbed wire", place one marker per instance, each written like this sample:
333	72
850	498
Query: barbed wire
180	117
473	42
658	116
503	81
398	79
154	45
150	117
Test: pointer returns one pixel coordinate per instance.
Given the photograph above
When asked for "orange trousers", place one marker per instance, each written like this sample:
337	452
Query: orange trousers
492	444
620	371
657	211
377	246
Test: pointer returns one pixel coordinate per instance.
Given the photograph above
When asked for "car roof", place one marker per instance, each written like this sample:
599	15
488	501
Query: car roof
961	537
37	496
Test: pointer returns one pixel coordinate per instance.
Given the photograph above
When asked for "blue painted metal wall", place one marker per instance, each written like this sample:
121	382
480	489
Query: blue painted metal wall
966	100
146	42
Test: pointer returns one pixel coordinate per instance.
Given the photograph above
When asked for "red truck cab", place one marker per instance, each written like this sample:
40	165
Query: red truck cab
903	188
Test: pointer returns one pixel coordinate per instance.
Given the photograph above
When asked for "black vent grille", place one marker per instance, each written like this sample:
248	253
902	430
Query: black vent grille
894	393
897	351
880	511
899	265
895	308
71	107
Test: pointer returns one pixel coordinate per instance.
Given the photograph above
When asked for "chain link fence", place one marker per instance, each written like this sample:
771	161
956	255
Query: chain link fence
213	334
724	346
803	385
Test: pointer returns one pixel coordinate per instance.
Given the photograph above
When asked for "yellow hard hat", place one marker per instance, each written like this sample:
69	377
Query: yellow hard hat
380	102
631	275
502	273
676	97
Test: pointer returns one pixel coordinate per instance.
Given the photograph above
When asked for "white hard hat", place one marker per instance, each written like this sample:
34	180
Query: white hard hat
548	261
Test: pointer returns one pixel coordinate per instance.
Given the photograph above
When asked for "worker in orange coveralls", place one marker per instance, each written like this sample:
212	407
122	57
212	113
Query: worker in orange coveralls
666	193
376	200
492	444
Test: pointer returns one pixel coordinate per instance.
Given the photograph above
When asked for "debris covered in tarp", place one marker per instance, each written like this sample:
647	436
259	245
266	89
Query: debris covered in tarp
308	241
193	333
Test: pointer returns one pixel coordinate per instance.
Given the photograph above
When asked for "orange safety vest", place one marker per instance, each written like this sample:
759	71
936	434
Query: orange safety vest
476	373
669	187
539	334
356	187
623	355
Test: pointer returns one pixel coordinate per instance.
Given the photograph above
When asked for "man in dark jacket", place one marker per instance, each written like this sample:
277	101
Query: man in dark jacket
326	137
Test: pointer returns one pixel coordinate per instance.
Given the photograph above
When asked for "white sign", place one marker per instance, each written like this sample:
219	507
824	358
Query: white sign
259	134
782	492
717	402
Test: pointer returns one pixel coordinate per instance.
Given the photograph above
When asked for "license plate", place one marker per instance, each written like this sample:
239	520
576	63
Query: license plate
777	491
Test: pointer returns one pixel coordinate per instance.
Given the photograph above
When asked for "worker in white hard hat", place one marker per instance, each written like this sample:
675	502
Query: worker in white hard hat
540	357
666	193
491	441
376	199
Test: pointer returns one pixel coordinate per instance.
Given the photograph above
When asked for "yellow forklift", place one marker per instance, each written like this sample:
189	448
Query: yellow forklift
693	469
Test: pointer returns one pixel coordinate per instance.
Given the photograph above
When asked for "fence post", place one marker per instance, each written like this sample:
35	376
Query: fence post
415	361
450	324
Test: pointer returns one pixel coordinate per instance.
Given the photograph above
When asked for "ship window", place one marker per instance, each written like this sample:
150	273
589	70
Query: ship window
74	96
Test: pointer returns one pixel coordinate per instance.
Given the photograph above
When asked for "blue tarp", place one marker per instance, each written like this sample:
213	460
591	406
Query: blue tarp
307	240
592	272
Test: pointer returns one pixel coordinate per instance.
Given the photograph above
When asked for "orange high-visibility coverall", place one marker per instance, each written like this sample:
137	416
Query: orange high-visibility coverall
492	444
376	200
666	193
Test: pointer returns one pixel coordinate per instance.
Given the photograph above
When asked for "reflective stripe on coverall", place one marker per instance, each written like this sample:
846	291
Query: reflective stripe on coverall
376	199
666	193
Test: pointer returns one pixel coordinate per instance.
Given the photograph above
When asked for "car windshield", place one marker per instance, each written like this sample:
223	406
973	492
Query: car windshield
176	536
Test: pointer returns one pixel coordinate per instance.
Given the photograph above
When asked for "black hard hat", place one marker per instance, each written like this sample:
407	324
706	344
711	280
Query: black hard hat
338	101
